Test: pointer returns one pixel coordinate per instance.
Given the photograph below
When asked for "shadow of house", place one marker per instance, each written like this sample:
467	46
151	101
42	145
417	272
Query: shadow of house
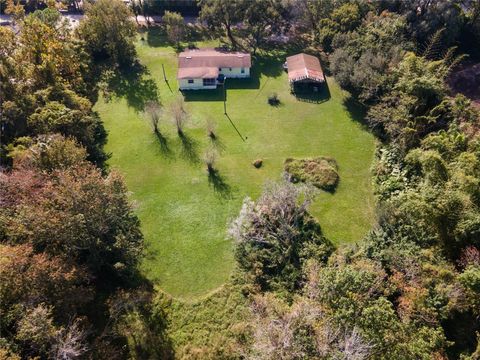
220	93
217	94
253	82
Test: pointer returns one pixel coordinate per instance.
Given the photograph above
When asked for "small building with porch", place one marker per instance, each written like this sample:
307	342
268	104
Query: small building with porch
305	73
206	68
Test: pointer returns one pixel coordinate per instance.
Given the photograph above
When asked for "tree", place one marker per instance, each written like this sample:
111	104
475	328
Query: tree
154	112
36	288
139	8
75	214
211	129
47	153
175	27
70	342
260	20
179	114
84	126
362	60
108	32
276	235
415	106
344	18
210	158
470	39
425	18
50	54
46	84
222	15
309	13
341	312
15	9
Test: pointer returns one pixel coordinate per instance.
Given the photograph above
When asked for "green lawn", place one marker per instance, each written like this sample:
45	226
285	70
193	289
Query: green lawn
184	216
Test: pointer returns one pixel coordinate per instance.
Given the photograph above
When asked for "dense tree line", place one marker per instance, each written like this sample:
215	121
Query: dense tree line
316	23
410	289
68	235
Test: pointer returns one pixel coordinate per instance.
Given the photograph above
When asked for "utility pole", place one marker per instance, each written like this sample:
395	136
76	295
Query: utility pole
225	96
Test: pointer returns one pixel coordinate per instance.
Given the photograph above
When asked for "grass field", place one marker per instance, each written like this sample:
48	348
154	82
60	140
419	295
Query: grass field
184	214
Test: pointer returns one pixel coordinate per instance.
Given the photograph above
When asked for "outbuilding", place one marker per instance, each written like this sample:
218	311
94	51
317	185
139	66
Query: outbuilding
304	73
207	68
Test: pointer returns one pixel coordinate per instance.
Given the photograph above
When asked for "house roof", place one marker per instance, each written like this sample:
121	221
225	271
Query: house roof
197	73
204	63
304	66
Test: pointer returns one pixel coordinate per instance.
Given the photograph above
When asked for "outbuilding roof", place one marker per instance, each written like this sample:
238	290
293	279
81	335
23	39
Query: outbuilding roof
304	66
204	63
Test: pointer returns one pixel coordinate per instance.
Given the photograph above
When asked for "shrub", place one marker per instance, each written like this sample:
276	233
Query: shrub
210	158
273	99
258	163
320	172
211	129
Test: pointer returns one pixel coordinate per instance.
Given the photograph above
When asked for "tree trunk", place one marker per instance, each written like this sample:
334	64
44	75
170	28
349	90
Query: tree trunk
144	13
230	36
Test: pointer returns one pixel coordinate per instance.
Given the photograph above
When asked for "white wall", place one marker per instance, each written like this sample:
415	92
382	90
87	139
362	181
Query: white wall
235	72
197	84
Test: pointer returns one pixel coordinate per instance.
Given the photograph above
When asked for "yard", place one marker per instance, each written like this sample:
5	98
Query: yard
184	213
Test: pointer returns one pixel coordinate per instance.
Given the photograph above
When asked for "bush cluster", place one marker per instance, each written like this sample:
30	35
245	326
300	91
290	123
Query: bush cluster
322	172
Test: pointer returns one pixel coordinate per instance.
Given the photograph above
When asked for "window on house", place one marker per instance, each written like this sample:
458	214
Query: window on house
242	70
190	81
209	82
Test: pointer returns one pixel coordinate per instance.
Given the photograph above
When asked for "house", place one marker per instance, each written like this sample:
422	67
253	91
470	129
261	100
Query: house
304	72
206	68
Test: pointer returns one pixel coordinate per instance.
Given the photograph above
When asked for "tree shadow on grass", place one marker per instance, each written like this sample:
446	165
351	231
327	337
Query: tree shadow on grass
358	113
269	64
217	143
147	336
134	85
164	146
219	184
156	37
189	148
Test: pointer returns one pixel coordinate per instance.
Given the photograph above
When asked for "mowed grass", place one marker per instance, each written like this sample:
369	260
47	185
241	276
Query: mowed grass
184	216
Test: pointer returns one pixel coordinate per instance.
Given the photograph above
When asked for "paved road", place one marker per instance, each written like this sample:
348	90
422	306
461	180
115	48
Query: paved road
75	18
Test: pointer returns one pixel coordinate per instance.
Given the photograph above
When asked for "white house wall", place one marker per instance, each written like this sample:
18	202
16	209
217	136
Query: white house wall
234	72
197	84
